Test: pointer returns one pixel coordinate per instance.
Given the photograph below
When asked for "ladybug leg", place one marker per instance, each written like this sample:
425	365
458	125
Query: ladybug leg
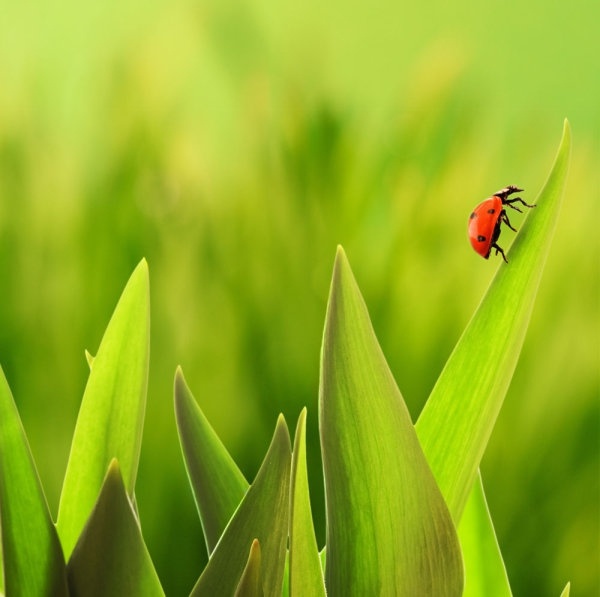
499	250
510	202
505	219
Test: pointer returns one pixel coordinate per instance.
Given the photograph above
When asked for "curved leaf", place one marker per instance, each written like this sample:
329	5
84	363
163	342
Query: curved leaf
111	415
458	418
217	483
305	573
32	557
389	531
263	514
111	557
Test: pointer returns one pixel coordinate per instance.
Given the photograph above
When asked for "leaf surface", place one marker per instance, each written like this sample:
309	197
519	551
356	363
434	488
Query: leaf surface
31	551
457	420
111	557
111	416
250	584
263	514
389	531
217	483
305	573
485	573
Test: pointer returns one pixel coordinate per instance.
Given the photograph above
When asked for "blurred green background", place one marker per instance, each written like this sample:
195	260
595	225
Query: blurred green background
234	144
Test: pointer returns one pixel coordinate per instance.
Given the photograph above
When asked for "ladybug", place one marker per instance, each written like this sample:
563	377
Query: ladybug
486	220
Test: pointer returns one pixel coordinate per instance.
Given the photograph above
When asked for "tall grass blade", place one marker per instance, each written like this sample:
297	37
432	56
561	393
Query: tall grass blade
217	483
111	416
263	514
458	418
305	572
111	557
32	557
389	531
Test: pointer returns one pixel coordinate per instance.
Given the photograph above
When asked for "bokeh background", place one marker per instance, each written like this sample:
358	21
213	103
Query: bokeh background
234	145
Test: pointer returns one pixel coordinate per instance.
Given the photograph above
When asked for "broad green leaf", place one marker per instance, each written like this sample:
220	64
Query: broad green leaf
389	531
305	573
566	591
485	573
250	584
111	416
217	483
263	514
111	557
457	420
33	560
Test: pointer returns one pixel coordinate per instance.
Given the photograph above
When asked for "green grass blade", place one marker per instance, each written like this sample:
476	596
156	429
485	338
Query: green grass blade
485	573
111	557
217	483
263	514
111	415
389	531
250	584
566	591
32	555
458	418
305	573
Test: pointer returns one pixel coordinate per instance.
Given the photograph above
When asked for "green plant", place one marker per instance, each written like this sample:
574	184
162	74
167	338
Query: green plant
396	492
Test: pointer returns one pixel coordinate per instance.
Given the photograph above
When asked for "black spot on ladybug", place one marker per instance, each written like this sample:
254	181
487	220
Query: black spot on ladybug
473	215
481	239
491	211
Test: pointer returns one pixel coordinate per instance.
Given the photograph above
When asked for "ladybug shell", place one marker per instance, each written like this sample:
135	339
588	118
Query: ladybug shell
484	225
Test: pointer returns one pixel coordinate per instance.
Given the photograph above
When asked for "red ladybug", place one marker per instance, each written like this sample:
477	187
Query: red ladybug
487	218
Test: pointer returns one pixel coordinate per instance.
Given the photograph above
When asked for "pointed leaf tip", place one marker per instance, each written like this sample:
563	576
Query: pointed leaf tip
143	265
114	468
250	584
341	261
566	591
217	483
179	382
371	459
281	430
30	552
479	370
263	514
110	557
141	273
111	414
305	571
